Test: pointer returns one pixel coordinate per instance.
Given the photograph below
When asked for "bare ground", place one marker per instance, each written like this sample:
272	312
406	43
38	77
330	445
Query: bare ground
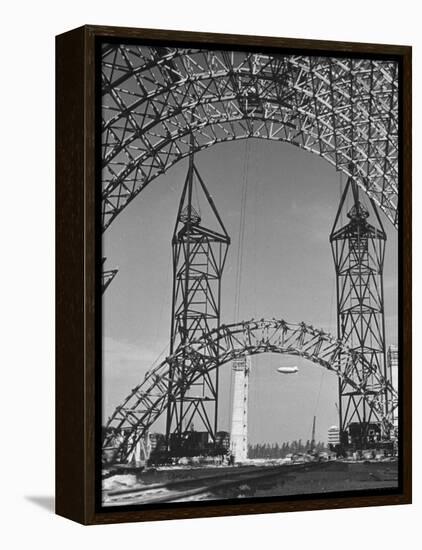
321	478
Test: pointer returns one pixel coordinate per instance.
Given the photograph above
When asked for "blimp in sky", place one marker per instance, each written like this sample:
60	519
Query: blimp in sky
287	370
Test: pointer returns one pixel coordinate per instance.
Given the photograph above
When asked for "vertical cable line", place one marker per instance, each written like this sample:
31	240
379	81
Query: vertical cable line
255	248
240	249
333	290
239	259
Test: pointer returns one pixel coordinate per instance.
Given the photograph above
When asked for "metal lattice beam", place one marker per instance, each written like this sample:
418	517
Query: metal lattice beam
154	99
107	276
149	400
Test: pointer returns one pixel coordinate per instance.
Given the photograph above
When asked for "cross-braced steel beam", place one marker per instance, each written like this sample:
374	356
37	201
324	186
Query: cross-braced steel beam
155	99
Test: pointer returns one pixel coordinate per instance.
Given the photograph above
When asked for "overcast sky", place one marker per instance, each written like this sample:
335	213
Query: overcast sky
288	273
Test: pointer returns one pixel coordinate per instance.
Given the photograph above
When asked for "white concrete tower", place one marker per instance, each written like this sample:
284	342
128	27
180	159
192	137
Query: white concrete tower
239	429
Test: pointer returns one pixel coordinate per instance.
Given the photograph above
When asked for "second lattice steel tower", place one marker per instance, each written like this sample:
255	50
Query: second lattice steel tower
358	246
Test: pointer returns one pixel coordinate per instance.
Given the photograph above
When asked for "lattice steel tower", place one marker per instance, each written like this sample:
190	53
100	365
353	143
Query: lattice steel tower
200	244
358	250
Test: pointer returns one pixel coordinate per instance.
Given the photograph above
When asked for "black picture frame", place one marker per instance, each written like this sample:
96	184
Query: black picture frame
78	257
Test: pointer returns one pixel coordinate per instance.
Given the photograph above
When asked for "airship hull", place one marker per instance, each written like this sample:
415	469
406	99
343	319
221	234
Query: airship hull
287	370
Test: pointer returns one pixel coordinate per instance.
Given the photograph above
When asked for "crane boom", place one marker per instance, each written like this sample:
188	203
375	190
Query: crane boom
313	435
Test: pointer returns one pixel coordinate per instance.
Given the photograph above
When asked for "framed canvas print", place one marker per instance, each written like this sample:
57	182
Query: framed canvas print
233	275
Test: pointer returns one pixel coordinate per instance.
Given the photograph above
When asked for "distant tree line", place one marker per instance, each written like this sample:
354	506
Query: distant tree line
274	450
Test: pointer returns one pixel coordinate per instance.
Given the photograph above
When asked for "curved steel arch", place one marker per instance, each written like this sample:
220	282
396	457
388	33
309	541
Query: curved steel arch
154	99
149	400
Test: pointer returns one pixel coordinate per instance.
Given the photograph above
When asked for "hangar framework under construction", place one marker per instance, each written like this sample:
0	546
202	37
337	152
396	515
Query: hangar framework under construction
175	102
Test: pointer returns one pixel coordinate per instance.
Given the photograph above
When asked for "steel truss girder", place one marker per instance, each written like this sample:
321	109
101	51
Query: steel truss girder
107	275
154	99
149	400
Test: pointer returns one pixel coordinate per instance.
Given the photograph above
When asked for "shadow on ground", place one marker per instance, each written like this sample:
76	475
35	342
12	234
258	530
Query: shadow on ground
46	502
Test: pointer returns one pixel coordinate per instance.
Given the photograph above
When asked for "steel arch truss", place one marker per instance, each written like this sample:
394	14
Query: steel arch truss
130	421
155	99
107	276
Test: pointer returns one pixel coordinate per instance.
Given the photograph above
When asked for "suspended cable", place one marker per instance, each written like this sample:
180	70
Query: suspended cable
255	247
195	188
164	299
162	352
239	259
319	391
333	290
240	250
